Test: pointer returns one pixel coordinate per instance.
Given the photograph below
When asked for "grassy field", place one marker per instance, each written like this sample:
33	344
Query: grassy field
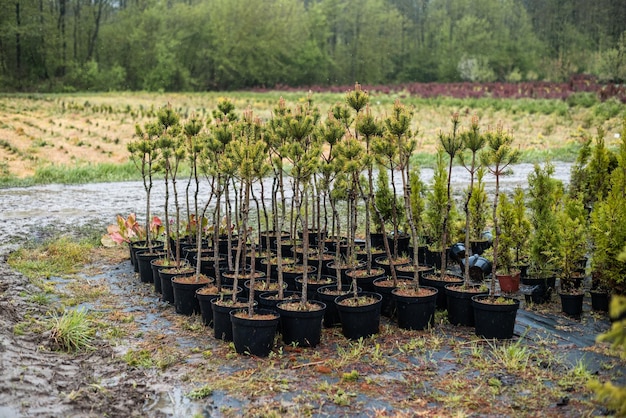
75	138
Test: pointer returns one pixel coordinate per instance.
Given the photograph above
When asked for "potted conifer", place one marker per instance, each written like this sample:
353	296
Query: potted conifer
495	315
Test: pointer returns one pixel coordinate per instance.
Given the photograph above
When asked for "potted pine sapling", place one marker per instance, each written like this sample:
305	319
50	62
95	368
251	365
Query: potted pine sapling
460	309
332	183
253	329
359	311
572	249
370	129
393	152
544	194
440	213
495	316
414	304
212	156
349	161
301	321
143	153
172	152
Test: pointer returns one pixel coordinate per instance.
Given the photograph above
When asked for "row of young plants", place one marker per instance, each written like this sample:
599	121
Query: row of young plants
322	172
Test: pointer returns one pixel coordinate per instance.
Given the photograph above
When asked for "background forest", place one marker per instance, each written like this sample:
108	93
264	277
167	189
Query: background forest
199	45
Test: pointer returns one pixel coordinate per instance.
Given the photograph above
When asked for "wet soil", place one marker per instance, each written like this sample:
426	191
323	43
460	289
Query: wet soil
439	372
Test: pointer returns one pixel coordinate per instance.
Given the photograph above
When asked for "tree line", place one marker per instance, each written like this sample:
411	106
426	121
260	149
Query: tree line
199	45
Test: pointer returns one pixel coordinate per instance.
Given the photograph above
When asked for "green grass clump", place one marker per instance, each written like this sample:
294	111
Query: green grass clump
201	392
73	331
87	173
60	257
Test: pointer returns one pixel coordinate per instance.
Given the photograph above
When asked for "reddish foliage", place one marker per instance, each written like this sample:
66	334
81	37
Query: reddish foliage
464	90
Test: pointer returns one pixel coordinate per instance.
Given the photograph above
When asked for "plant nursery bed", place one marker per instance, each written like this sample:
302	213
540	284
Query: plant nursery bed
146	360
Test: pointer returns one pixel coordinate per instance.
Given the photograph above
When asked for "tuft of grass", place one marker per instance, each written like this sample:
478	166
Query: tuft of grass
73	331
139	358
60	257
200	393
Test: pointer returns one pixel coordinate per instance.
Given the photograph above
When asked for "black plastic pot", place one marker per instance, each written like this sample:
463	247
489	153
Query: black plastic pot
204	300
479	267
332	271
432	280
416	312
599	301
539	289
331	315
384	286
289	277
403	242
167	291
572	304
303	328
155	274
185	300
359	321
139	246
494	320
254	336
143	260
222	326
456	252
460	307
479	246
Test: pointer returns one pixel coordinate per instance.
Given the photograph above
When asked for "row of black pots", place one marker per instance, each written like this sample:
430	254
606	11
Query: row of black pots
457	314
413	314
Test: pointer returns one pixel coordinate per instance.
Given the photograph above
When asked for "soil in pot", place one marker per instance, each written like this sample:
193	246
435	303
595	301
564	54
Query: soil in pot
292	271
262	286
460	307
204	296
360	316
166	275
365	279
495	317
222	327
301	326
384	263
184	288
408	270
434	280
314	283
328	294
254	335
415	308
384	287
343	269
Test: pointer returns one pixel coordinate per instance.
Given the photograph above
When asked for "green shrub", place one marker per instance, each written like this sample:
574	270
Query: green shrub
582	99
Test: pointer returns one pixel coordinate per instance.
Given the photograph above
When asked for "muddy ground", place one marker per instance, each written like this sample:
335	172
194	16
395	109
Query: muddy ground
149	361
